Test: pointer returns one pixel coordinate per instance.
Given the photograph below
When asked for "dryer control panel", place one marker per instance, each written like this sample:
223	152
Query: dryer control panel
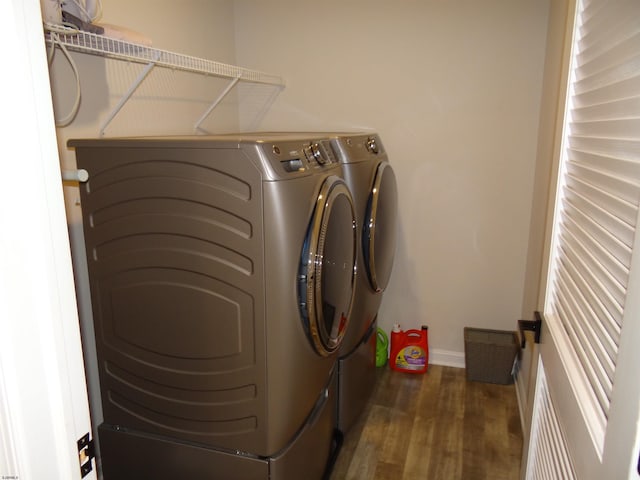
306	157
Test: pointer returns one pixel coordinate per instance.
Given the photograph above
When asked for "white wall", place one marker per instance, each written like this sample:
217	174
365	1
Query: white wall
454	89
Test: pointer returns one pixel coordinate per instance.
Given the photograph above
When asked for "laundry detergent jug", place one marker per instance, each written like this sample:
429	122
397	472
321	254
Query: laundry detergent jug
409	350
382	348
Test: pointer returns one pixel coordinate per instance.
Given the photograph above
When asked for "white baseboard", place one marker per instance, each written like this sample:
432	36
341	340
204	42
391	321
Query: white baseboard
447	358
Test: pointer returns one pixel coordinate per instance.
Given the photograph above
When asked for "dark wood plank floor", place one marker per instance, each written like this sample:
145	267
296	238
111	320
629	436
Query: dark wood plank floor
434	426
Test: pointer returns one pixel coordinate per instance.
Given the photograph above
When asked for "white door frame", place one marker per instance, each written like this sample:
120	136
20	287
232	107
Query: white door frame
43	399
622	442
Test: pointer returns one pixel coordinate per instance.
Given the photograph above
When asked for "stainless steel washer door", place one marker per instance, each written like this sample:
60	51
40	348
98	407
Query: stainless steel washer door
327	270
379	227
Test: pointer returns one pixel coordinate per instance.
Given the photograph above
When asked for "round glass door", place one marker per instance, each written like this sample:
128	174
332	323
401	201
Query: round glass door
379	229
327	270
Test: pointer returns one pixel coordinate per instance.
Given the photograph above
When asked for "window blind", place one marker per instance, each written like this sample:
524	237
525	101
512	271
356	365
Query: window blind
598	194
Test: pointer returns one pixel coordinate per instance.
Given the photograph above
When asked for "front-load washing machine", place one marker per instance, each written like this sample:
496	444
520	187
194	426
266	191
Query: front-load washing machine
222	273
372	183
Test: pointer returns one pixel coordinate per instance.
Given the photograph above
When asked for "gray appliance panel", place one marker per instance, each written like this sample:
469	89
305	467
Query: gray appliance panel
133	455
308	456
359	177
356	379
357	352
198	332
359	167
130	455
175	248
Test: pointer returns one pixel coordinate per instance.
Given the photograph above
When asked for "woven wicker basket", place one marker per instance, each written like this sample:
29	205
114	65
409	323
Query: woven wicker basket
489	355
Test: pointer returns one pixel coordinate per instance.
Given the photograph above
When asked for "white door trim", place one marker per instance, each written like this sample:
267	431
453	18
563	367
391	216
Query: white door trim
43	400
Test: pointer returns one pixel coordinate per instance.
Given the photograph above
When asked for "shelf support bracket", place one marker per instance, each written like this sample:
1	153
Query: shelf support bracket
217	101
125	98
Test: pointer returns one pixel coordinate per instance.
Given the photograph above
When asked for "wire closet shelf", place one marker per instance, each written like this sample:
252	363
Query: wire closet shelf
86	42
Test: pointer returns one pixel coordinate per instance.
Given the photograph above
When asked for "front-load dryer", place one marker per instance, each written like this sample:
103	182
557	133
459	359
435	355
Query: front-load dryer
372	182
222	273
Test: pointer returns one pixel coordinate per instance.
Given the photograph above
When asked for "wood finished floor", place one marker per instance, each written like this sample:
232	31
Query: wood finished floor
436	426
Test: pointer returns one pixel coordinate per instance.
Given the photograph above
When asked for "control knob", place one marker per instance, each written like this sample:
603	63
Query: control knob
372	145
313	153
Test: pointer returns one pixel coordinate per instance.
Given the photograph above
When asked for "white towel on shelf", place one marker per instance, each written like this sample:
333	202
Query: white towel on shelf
126	34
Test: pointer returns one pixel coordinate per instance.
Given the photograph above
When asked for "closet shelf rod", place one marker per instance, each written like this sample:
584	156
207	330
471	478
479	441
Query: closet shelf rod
80	175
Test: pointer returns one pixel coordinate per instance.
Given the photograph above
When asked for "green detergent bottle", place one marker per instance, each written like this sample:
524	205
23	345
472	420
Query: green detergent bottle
382	345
